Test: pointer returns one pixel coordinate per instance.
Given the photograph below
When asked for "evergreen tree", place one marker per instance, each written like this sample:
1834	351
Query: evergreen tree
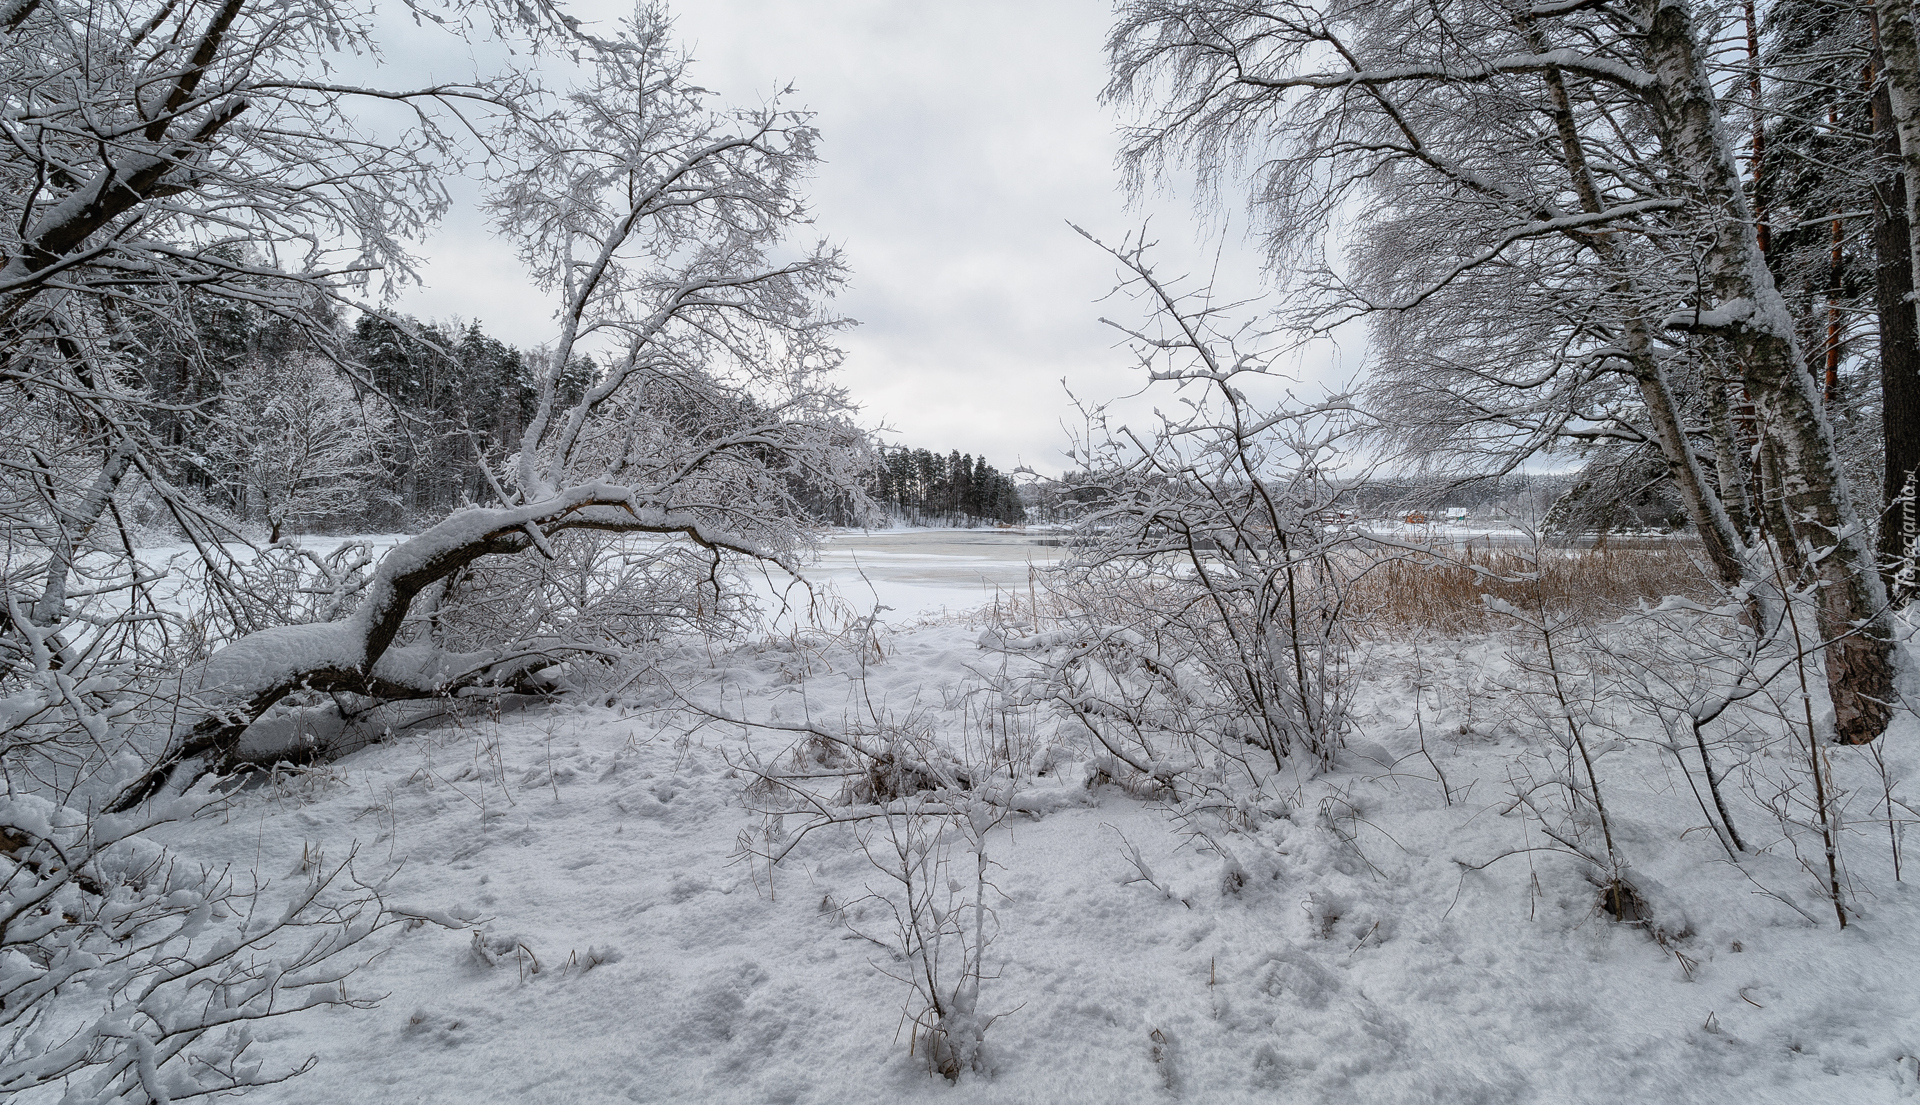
922	487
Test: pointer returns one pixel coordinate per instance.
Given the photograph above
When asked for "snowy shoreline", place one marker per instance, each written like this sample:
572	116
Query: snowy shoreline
1362	941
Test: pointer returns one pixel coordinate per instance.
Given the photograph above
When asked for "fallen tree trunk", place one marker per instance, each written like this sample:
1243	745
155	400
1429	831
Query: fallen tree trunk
355	654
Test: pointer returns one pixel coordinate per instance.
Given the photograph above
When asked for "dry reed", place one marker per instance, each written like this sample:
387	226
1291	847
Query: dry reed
1441	592
1437	592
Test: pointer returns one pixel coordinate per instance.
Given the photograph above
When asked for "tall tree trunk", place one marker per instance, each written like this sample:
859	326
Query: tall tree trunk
1899	336
1704	508
1895	34
1836	288
1763	230
1729	463
1750	312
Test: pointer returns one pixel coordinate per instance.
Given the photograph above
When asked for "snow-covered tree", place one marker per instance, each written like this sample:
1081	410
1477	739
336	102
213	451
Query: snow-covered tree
162	163
662	224
297	445
1552	240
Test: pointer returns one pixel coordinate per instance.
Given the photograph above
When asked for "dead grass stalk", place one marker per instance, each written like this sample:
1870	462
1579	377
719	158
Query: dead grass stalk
1441	592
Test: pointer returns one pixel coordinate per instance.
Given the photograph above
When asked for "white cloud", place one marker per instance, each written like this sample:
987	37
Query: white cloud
959	140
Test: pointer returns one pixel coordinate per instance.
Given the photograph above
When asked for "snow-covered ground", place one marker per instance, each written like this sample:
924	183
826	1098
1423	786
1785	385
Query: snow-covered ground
1361	940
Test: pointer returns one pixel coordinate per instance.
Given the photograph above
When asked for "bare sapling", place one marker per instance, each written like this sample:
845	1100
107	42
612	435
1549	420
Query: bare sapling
1618	896
1688	665
1826	811
1897	820
941	923
1143	871
1420	725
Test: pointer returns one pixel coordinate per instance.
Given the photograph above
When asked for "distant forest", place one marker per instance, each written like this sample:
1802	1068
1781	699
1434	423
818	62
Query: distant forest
385	433
405	419
918	487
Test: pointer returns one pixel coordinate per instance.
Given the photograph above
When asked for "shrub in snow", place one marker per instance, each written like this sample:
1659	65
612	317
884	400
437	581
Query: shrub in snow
126	974
921	804
1205	631
938	922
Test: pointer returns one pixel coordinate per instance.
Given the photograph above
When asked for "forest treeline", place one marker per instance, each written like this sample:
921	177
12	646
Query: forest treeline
920	487
402	420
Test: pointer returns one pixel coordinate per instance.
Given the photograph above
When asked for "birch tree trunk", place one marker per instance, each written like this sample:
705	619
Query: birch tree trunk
1896	265
1704	508
1748	310
1727	463
1900	48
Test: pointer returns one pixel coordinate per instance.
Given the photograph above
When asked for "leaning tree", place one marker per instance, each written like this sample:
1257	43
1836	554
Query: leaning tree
663	226
158	159
161	162
1550	236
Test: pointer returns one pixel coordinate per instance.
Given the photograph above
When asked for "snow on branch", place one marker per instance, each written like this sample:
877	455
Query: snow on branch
1584	222
1568	61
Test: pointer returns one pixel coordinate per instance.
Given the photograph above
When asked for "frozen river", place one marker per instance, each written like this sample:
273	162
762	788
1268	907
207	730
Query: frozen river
920	574
917	574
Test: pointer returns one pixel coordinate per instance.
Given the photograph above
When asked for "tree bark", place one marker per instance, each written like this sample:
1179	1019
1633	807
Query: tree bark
60	234
1896	263
1729	464
1749	311
1724	545
1895	35
75	524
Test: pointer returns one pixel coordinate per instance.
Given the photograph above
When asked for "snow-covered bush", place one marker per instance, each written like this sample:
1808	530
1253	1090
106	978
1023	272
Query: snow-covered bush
937	920
1204	631
128	975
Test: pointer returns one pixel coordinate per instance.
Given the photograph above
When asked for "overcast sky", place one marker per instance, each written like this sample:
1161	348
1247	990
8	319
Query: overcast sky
959	140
